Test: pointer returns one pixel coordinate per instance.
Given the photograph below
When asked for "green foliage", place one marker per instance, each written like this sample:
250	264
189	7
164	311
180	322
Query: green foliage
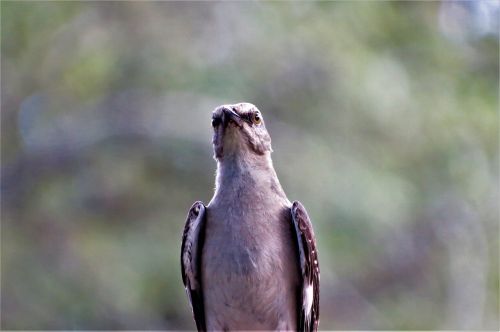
384	119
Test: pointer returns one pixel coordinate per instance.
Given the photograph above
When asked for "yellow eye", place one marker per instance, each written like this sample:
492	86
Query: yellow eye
256	118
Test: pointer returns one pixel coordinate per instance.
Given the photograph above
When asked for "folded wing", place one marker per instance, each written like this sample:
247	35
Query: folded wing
192	243
309	267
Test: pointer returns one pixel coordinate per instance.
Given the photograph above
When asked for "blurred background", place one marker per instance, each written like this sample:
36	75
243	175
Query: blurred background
106	143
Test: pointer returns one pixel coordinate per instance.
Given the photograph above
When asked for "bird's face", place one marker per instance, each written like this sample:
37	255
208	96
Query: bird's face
239	129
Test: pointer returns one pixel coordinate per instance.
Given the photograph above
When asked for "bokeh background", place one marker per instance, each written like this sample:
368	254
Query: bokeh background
384	119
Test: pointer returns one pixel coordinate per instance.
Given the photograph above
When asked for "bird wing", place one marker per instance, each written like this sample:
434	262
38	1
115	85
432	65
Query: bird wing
309	267
192	243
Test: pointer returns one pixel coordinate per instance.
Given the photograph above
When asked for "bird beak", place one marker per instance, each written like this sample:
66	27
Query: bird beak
230	115
222	116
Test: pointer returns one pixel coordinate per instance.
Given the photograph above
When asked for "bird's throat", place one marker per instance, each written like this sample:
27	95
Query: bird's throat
236	176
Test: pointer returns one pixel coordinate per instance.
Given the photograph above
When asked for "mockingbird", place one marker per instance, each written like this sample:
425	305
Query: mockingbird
249	259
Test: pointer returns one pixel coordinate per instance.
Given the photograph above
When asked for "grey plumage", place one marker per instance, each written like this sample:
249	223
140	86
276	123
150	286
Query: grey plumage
249	259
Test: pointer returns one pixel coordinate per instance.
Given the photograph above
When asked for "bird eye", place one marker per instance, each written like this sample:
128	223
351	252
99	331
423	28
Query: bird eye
215	122
256	118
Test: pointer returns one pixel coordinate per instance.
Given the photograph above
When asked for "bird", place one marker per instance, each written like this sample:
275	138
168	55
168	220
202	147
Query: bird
249	259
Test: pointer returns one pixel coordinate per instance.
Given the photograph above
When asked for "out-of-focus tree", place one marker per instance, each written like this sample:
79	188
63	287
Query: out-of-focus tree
105	143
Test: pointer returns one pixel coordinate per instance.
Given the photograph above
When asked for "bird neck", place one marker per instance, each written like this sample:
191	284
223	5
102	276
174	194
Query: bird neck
236	174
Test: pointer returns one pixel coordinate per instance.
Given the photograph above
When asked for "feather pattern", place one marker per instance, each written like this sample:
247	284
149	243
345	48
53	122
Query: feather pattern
309	267
192	243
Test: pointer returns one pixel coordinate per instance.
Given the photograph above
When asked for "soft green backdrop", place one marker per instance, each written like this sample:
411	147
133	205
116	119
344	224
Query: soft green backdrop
384	119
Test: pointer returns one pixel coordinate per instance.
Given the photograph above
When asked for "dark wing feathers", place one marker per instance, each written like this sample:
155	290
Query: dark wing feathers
192	243
309	266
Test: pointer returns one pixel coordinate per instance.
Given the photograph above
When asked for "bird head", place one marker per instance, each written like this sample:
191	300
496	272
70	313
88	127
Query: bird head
239	129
